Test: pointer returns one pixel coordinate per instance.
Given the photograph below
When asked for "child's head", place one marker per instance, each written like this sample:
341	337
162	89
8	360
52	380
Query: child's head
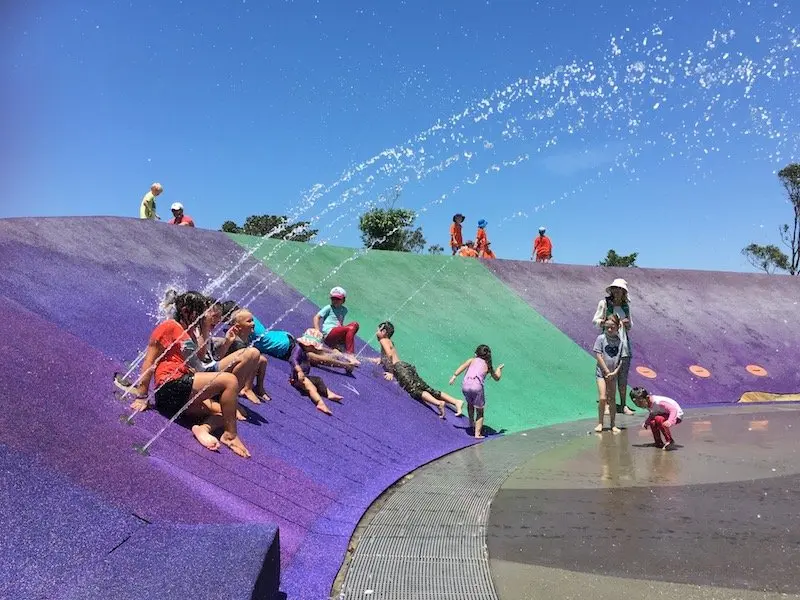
156	189
612	324
243	319
542	230
640	397
483	351
482	223
385	330
310	340
228	309
338	296
214	313
469	243
458	218
189	306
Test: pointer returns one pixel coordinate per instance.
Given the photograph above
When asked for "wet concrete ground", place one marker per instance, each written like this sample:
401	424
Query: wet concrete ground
611	516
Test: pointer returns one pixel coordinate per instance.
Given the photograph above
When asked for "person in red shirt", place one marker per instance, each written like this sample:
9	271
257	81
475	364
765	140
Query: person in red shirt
178	218
481	240
487	253
182	385
542	248
456	241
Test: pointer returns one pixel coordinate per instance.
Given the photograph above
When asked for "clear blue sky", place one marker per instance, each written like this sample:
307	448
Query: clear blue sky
649	126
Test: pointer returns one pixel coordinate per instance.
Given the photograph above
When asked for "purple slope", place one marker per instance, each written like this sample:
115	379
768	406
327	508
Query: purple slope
720	321
76	293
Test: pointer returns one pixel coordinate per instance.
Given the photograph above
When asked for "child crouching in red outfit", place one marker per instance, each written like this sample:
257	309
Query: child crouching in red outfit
665	413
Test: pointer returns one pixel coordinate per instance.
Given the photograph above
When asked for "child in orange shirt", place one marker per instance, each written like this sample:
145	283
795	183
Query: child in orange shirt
456	241
468	250
480	237
487	252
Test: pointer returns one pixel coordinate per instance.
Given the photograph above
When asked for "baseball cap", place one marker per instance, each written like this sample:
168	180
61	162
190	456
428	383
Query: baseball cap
176	206
338	292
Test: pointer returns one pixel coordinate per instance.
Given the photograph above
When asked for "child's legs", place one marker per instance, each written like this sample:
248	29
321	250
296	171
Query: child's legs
350	338
243	364
611	392
431	399
224	385
601	399
336	337
622	381
471	413
658	428
455	402
261	372
478	421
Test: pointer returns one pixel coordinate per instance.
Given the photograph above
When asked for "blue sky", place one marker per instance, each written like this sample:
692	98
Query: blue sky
653	126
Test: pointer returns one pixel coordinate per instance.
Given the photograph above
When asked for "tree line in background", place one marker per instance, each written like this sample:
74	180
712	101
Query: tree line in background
391	228
771	258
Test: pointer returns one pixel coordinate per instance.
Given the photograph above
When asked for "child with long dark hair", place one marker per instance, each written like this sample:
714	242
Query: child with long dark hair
171	352
472	386
609	350
664	414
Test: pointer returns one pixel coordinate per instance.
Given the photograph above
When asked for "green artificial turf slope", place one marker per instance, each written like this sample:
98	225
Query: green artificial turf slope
442	308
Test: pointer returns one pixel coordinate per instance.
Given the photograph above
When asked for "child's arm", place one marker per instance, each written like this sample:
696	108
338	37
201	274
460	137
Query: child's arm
142	384
388	349
673	414
460	370
602	364
322	314
498	372
230	337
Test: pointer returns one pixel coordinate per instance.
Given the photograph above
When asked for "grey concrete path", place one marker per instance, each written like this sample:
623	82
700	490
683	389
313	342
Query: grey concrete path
529	497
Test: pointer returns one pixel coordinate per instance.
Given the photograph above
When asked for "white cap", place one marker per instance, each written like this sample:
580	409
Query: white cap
338	292
542	229
176	206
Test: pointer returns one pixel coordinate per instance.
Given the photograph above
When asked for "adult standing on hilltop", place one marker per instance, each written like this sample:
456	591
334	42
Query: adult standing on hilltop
616	303
178	216
542	247
148	208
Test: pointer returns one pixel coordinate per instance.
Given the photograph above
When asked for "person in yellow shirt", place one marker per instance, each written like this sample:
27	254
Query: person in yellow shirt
147	210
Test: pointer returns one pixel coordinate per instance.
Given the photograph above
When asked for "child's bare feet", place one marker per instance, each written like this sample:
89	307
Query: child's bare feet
240	415
459	410
323	408
203	435
251	395
335	397
599	428
235	444
262	394
442	414
615	429
479	436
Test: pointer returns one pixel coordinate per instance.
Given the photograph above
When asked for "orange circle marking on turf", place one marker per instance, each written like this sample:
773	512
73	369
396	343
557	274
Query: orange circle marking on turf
756	370
646	372
699	371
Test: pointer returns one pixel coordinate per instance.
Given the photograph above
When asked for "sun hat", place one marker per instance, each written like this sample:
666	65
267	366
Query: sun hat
620	283
338	292
176	206
312	337
455	216
483	223
542	229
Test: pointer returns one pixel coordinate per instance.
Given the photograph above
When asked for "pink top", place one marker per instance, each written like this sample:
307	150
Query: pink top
477	370
666	407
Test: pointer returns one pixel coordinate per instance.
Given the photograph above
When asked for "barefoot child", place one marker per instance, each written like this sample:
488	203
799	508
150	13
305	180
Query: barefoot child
330	320
407	376
609	351
177	384
472	386
309	385
665	413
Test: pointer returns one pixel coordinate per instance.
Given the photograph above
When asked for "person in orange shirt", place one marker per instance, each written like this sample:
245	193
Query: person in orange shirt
480	238
456	241
468	250
487	252
542	248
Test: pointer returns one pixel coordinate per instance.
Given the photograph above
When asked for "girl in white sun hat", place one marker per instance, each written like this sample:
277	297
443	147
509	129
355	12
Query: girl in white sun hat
616	303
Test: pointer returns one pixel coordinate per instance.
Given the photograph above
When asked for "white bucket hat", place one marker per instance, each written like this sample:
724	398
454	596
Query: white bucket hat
620	283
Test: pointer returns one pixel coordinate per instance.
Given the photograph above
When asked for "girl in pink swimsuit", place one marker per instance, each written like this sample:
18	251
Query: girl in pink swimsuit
472	387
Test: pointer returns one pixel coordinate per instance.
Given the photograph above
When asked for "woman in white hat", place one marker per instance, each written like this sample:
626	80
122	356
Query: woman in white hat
616	303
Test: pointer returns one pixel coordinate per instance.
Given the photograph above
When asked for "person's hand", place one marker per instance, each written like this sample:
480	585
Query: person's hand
626	322
232	334
500	366
452	380
646	425
388	376
301	377
666	424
